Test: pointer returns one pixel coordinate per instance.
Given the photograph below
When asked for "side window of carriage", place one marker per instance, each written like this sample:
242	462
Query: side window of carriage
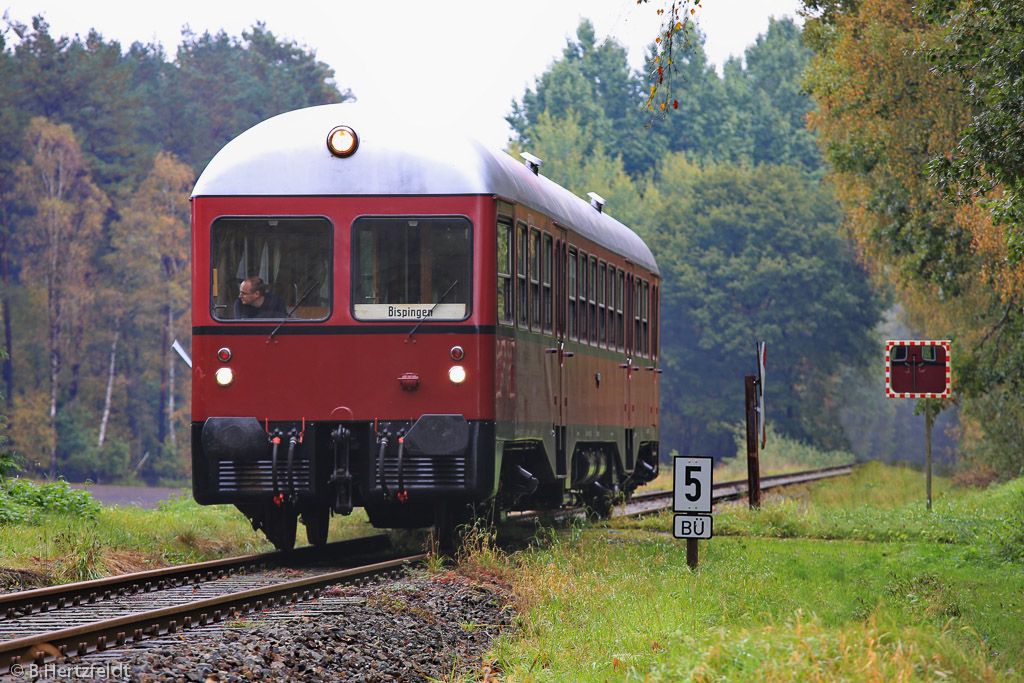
535	277
602	282
505	300
282	265
645	320
592	294
581	295
522	252
620	289
573	280
655	322
547	295
611	307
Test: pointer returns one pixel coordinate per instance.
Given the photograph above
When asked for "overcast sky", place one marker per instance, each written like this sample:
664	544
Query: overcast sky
459	62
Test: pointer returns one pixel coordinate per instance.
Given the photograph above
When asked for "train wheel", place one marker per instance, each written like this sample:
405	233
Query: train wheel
448	520
279	524
489	515
317	521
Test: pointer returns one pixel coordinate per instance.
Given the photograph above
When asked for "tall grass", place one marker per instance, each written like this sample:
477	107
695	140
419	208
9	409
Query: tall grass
56	546
848	580
780	455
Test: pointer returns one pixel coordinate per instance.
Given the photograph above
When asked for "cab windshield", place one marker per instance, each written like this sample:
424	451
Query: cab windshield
411	268
273	263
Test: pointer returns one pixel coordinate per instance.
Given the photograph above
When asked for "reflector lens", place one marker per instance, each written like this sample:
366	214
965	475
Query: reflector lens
224	377
458	353
457	374
224	355
342	141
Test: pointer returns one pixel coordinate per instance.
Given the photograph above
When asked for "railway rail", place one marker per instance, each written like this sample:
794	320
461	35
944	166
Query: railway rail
23	603
652	501
108	626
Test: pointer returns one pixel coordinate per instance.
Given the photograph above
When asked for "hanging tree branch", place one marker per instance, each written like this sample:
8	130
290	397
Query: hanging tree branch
673	38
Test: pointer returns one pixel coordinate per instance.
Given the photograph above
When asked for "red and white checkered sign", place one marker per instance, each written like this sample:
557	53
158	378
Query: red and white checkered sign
917	368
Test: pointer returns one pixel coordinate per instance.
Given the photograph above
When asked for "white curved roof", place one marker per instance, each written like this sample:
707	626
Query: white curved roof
287	156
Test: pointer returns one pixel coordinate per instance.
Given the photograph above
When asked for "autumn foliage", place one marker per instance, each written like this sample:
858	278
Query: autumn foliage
896	113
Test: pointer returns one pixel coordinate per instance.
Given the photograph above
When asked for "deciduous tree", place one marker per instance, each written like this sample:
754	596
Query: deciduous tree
67	211
223	85
748	255
982	47
151	270
887	113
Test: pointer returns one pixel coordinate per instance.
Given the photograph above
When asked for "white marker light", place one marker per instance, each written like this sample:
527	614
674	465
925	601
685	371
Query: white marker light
224	376
457	374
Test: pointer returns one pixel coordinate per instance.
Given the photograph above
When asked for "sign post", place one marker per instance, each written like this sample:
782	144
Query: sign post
753	390
692	484
762	351
919	369
753	466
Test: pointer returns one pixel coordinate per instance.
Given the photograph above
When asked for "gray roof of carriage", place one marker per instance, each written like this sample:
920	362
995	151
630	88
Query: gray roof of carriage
287	156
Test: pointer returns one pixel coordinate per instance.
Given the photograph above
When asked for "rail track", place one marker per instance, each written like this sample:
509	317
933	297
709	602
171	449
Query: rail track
108	613
652	501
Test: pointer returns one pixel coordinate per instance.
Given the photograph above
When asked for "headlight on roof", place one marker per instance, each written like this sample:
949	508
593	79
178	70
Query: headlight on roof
342	141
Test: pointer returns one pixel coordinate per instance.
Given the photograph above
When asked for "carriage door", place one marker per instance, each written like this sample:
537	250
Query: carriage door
554	326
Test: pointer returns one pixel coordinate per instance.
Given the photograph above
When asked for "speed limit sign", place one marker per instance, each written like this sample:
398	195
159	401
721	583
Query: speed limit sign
692	484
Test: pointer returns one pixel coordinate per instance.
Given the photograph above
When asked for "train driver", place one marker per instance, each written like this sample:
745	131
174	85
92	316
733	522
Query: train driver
256	301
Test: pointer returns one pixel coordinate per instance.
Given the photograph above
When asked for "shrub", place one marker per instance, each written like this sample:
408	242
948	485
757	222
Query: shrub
24	501
1009	537
781	454
8	459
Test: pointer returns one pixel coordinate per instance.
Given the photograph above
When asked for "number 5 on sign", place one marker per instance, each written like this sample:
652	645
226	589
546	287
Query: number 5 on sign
692	484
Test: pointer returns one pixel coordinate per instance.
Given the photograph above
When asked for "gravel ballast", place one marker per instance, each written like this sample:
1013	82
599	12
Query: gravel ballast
423	627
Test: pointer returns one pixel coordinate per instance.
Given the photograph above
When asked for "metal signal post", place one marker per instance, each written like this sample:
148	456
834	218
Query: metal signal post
756	425
753	466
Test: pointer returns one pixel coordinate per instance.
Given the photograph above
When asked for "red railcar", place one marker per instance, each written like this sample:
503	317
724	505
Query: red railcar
439	328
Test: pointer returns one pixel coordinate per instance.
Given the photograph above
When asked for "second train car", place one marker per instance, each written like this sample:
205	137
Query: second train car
397	318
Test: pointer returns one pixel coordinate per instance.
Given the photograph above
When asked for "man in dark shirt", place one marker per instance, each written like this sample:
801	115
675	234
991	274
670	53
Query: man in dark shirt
254	301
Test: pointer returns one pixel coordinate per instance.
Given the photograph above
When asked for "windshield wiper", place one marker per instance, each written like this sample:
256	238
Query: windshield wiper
432	308
294	308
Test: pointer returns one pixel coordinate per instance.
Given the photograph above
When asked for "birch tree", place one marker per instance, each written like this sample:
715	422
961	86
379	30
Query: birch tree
152	241
66	216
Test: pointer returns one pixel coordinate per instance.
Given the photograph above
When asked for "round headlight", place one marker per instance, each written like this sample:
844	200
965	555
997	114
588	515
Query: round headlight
224	376
457	374
342	141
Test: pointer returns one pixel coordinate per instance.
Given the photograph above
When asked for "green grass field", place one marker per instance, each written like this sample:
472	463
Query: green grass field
54	542
846	580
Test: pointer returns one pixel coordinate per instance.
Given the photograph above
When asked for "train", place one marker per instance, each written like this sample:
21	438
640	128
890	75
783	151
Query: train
393	316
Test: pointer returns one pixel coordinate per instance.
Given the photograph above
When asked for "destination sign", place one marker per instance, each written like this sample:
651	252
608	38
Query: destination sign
410	311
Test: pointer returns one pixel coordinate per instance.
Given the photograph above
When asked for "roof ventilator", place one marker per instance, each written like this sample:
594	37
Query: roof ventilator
532	162
597	201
